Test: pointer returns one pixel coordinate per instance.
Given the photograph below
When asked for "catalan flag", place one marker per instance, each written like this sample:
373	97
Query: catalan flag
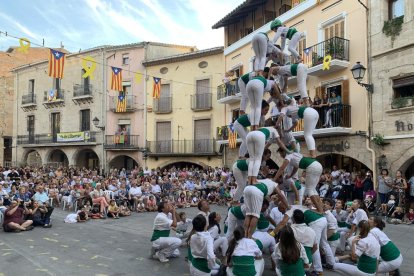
121	102
156	90
232	137
116	80
56	64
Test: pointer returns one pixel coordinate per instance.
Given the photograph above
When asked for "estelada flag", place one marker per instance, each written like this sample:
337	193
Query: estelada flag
56	64
232	137
121	103
156	90
116	80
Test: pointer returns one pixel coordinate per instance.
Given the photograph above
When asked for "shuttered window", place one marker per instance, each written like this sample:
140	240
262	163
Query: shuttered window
85	120
163	143
202	136
337	29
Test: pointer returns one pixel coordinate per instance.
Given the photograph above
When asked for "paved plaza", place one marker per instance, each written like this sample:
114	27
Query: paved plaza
118	247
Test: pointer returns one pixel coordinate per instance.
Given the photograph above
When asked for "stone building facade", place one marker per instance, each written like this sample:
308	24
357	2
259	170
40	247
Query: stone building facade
392	74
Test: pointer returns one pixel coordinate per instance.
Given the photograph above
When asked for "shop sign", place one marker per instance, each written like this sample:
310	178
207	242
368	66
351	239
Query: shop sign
401	126
73	136
333	147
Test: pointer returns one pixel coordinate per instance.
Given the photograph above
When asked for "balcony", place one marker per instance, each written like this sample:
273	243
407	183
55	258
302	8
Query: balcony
29	102
59	139
228	93
116	107
336	47
341	123
223	135
82	93
163	105
206	147
121	142
201	101
54	98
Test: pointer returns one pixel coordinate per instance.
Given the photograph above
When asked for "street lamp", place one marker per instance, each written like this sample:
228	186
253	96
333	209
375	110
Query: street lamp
95	122
358	72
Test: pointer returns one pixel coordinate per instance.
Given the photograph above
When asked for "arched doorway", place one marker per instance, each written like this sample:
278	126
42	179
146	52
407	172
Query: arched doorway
341	161
181	165
87	158
408	168
123	161
33	158
57	158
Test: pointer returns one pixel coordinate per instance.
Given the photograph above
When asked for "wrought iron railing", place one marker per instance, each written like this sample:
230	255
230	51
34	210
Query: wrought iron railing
130	103
336	47
121	141
54	95
163	105
80	90
29	99
229	89
50	138
182	146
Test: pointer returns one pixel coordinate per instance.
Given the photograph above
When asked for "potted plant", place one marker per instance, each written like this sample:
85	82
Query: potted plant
335	48
379	140
399	102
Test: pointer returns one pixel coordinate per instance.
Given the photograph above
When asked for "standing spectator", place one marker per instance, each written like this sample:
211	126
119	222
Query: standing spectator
368	183
411	199
334	106
359	186
384	186
399	188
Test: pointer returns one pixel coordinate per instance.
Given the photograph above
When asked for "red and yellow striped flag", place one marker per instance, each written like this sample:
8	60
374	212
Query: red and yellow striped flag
232	138
56	64
121	104
116	80
156	90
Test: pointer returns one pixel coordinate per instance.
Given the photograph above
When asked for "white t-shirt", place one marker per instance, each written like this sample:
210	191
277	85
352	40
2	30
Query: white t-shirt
277	255
276	215
156	189
214	232
247	247
135	191
332	222
359	215
162	222
304	234
201	245
368	246
294	159
380	236
266	239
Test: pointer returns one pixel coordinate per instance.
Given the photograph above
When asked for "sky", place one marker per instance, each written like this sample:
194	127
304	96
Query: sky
83	24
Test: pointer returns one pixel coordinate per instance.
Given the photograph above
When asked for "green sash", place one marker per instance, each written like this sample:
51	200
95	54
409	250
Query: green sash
262	223
245	78
237	212
201	264
389	252
244	120
342	224
242	165
309	253
334	237
297	185
291	32
296	269
311	216
301	111
190	256
259	244
243	266
262	187
306	162
265	131
225	228
260	78
160	234
294	69
367	264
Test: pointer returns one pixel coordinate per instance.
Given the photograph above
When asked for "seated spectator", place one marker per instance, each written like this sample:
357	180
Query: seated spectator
151	204
182	201
141	206
38	215
124	210
13	217
98	197
43	199
113	210
397	216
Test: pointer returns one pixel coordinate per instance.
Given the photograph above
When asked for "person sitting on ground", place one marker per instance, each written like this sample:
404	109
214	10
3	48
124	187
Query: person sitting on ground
124	210
113	209
409	217
13	218
141	206
181	201
397	216
43	199
38	213
151	204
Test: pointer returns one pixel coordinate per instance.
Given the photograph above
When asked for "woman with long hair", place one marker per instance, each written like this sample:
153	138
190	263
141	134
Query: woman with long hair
391	258
221	243
399	188
244	256
359	213
365	250
289	255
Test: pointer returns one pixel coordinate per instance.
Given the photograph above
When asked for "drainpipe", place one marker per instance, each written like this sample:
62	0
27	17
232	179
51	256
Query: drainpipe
145	118
15	122
103	108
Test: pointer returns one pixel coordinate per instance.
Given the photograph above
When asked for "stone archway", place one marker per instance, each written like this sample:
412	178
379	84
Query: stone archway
86	158
32	157
404	162
123	161
182	164
57	158
408	168
342	161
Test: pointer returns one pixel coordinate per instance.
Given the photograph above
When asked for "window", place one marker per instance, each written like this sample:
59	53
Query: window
85	82
56	84
85	120
404	87
336	29
235	113
125	59
202	135
163	143
396	8
31	128
31	86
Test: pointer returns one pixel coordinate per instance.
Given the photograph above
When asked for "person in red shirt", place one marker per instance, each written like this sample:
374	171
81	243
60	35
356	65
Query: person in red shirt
13	219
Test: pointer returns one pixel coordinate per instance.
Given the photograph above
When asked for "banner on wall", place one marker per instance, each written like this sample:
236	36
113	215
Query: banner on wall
73	136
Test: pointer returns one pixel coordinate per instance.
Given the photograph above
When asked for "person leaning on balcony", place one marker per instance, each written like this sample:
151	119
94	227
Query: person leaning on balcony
301	72
228	76
242	82
334	105
285	32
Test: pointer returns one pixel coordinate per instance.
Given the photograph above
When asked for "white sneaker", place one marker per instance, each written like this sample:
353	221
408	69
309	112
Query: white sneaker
161	257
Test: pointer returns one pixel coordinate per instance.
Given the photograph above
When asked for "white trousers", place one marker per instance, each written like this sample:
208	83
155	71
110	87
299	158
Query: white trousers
242	133
334	245
385	267
167	246
244	98
320	227
232	223
259	44
255	91
256	141
342	241
258	265
253	200
293	44
301	194
220	246
302	74
241	180
350	269
313	173
310	119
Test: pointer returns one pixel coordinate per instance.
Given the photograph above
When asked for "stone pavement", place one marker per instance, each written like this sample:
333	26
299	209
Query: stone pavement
118	247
